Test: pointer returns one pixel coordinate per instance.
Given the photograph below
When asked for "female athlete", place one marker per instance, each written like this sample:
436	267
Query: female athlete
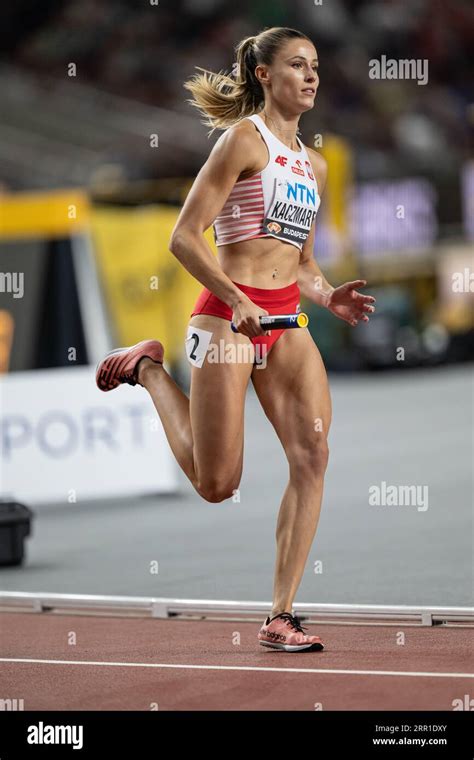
260	188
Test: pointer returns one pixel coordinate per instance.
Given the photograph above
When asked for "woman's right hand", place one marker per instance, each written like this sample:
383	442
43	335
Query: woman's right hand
245	317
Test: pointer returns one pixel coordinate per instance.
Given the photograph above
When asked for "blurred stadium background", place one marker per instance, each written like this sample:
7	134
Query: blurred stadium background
98	148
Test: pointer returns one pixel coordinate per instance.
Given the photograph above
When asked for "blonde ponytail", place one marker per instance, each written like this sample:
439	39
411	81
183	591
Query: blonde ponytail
224	99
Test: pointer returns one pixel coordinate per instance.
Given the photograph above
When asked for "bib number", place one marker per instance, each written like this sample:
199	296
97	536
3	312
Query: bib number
196	345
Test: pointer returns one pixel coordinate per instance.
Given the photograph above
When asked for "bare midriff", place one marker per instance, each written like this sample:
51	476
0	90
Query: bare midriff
260	262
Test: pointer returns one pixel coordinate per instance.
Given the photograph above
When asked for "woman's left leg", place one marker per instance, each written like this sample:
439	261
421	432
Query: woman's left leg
293	390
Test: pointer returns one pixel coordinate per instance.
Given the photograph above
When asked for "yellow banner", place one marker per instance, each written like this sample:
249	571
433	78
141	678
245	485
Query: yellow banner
43	214
148	292
338	154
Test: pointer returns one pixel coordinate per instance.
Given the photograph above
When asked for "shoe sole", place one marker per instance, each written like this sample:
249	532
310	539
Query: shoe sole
111	353
293	647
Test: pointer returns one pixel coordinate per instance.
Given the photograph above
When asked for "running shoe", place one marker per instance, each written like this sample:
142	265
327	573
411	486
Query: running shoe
284	631
119	366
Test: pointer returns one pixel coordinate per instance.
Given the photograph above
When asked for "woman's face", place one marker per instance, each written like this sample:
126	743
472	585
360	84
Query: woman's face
292	79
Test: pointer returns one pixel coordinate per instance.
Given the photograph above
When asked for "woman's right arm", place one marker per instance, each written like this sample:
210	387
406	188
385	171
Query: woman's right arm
233	153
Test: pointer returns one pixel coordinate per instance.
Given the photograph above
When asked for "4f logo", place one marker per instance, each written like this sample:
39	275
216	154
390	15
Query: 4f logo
282	160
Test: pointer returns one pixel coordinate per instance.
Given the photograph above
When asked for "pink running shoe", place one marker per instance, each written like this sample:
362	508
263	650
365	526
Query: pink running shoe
284	631
119	366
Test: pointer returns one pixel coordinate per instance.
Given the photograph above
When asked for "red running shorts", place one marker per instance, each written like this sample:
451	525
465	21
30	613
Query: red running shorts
275	300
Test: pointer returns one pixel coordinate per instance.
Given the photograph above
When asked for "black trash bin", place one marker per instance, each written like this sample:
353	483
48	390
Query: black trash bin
15	524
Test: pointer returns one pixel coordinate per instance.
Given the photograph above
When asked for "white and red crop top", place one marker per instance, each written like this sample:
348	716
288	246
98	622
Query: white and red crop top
281	201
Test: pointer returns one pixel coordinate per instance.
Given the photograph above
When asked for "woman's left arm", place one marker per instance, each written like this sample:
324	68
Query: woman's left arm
343	301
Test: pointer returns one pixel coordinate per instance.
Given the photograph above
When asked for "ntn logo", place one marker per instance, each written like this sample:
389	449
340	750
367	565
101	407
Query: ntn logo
301	193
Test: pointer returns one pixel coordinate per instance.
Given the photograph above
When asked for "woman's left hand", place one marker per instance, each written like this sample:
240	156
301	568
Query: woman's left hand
349	305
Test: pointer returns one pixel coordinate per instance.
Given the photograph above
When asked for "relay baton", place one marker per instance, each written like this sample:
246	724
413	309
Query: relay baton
280	321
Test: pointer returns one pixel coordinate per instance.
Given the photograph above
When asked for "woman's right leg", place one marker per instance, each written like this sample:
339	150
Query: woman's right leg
205	432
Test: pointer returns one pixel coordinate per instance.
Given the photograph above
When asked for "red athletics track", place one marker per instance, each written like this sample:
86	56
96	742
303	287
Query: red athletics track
135	663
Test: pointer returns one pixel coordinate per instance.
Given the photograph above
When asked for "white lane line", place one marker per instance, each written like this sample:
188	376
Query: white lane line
408	673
